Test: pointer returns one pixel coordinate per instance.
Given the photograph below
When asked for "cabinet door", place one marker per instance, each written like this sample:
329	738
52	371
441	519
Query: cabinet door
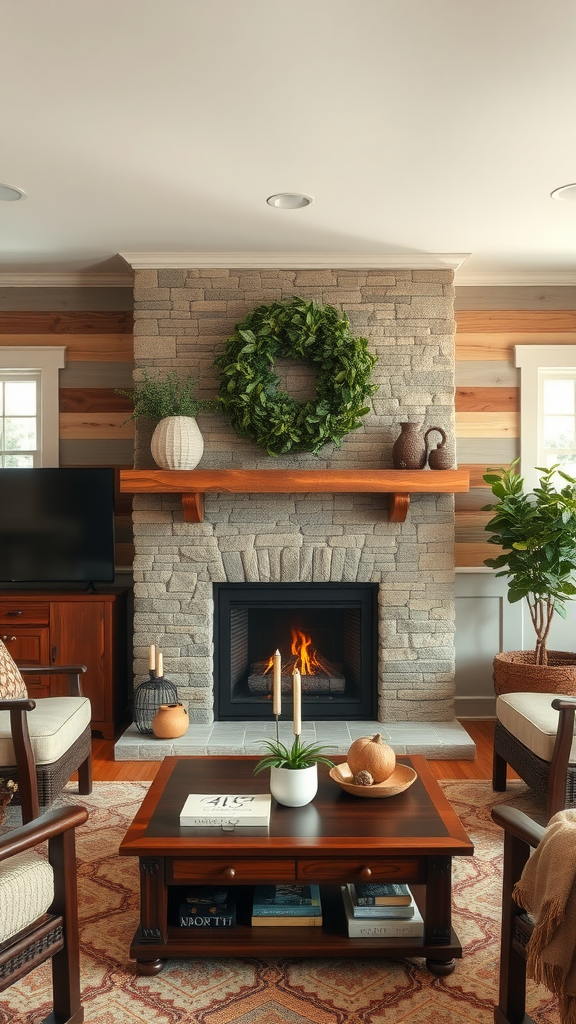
29	645
78	637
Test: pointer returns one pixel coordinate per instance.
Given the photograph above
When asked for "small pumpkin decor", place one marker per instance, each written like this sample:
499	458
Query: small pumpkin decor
317	335
371	769
370	756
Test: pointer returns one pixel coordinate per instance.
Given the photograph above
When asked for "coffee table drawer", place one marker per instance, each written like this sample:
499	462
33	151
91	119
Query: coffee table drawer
354	869
231	869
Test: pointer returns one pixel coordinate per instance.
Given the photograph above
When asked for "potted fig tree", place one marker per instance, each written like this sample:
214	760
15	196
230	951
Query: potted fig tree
537	534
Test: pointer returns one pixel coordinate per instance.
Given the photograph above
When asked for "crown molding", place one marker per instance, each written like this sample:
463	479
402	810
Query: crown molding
71	279
294	260
514	279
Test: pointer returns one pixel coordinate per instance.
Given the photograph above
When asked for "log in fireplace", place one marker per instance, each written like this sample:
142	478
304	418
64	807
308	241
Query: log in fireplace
326	630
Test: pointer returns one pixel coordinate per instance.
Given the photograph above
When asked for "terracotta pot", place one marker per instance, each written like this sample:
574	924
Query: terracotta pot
515	672
170	721
177	443
294	787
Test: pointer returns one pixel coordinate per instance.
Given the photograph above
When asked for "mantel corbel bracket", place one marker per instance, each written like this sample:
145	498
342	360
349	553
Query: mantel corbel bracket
398	505
193	507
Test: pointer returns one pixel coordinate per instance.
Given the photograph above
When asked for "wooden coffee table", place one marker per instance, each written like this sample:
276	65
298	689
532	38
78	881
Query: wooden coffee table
336	839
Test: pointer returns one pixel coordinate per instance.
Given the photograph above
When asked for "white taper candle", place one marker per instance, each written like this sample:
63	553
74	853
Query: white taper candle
152	658
297	699
277	685
160	670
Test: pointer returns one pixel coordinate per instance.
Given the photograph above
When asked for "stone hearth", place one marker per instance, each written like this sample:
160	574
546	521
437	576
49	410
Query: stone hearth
441	741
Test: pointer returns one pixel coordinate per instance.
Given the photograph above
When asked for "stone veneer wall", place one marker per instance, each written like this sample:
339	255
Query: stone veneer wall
182	318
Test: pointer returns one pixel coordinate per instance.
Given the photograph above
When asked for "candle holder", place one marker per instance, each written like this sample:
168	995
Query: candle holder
148	696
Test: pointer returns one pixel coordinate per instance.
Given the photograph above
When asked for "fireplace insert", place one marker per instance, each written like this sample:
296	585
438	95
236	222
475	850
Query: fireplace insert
328	631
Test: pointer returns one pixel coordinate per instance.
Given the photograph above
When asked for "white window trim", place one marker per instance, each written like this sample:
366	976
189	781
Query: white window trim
49	360
531	359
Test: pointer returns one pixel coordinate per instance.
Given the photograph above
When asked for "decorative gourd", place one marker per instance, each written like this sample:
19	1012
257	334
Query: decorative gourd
371	754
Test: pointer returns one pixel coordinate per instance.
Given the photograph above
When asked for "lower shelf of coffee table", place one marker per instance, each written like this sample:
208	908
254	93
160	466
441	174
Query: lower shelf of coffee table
329	939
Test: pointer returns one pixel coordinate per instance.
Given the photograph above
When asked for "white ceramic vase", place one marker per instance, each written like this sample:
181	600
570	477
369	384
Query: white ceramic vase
177	443
294	787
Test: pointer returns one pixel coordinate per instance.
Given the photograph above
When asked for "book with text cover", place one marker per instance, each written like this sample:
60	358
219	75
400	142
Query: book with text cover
382	928
208	907
382	894
226	809
286	900
380	912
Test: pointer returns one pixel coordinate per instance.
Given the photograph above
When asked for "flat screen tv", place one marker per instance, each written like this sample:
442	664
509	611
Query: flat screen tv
57	525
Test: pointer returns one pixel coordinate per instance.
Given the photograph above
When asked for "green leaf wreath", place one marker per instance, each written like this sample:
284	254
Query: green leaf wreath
249	388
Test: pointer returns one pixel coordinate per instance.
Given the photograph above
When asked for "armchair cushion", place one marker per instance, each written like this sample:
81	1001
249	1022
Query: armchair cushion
11	683
54	725
26	892
532	720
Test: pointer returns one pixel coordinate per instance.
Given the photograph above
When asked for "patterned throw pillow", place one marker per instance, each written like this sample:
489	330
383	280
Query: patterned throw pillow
11	683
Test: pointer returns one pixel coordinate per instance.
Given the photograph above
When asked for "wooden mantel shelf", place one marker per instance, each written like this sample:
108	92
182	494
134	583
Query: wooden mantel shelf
193	484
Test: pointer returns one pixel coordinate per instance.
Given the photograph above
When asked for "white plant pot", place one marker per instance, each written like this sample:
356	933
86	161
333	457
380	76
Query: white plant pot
294	787
177	443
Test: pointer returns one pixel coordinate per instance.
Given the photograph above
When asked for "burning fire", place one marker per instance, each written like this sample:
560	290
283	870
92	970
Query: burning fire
305	658
307	661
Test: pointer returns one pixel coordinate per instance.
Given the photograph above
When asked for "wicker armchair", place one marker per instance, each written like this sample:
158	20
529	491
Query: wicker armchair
38	899
521	834
534	734
52	734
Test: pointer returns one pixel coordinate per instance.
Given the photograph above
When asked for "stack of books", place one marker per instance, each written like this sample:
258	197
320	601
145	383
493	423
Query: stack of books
208	906
287	905
376	910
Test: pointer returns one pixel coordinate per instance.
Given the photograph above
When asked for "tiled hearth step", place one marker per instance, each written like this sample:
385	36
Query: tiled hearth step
441	740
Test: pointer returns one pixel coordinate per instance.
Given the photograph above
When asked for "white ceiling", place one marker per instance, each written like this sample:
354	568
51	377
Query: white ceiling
419	126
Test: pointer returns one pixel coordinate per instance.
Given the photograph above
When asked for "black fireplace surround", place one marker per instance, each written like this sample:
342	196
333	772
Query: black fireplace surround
328	630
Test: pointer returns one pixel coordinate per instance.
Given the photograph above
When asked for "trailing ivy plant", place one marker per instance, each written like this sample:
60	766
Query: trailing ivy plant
169	396
321	337
537	532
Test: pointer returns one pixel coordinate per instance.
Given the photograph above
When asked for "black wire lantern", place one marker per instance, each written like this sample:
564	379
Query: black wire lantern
148	696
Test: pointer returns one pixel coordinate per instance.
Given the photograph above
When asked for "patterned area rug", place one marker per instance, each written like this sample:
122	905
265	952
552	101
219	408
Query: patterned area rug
284	991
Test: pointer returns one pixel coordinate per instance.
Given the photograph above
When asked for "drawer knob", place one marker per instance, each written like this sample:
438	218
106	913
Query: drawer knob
7	639
229	874
365	874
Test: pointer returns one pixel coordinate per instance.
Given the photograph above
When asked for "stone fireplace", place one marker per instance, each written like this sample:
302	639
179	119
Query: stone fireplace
182	318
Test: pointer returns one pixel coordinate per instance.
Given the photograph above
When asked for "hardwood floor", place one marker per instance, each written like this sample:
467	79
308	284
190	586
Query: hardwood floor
105	769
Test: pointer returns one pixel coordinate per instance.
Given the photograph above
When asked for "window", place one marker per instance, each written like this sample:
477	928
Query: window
29	404
20	418
548	408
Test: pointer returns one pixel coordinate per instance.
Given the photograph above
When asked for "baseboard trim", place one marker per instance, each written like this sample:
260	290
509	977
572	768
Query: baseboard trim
475	707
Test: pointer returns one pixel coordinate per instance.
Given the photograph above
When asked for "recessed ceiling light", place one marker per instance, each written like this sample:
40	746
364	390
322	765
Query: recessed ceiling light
289	200
9	193
565	194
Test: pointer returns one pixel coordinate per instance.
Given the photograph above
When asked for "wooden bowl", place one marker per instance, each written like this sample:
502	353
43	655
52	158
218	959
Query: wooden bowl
402	778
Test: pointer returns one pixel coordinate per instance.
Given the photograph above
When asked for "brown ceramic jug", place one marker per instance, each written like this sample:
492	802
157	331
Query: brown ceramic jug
409	451
440	457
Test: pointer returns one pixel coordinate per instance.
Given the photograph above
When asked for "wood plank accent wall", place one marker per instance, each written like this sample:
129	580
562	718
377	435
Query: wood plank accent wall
99	359
487	389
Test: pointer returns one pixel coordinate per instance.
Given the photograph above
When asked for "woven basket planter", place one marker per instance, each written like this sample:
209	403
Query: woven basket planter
515	672
177	443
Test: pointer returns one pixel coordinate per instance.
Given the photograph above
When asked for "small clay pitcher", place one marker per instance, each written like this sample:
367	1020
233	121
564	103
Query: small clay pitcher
409	451
440	457
170	721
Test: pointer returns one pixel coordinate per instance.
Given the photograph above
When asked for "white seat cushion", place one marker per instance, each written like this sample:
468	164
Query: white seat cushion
26	891
54	725
531	718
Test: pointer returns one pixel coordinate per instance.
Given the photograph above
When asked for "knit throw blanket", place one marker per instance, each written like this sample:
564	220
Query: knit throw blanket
547	890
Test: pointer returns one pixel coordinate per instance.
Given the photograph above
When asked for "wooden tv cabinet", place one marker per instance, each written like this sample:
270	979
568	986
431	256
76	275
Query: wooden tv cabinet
50	627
